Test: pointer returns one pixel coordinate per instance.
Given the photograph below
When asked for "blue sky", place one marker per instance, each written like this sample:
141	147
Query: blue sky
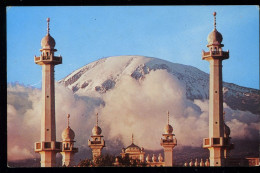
174	33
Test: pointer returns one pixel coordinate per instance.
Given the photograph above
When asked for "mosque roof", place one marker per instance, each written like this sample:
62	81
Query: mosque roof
132	148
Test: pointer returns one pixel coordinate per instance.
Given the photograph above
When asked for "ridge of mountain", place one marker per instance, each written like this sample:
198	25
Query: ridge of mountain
98	77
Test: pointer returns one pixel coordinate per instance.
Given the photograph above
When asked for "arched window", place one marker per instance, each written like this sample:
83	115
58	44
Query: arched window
215	50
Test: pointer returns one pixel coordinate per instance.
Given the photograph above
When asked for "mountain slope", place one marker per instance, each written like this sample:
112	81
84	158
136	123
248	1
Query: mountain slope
100	76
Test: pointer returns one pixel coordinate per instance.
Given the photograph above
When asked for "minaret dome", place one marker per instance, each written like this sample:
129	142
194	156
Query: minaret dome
68	134
96	130
215	37
168	128
48	41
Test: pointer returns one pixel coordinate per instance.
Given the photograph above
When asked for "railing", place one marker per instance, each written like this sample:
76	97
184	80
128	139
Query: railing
215	53
41	146
48	59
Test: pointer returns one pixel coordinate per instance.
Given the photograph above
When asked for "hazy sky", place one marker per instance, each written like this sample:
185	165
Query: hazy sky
174	33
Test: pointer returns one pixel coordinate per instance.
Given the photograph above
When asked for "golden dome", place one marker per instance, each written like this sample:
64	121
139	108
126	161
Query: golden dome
68	134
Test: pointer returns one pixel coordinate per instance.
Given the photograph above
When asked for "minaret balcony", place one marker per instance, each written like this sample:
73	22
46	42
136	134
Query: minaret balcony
213	142
102	142
172	141
47	146
215	54
70	149
48	60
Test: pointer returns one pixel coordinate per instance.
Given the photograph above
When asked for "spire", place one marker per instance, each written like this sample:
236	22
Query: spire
214	14
97	119
48	28
68	116
132	138
168	117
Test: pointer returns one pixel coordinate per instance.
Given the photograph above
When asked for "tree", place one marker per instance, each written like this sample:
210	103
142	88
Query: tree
103	160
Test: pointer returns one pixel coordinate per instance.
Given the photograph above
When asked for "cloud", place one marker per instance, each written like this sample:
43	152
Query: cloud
133	106
140	107
24	118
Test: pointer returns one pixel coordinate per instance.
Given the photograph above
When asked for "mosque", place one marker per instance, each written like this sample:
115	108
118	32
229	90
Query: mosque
218	142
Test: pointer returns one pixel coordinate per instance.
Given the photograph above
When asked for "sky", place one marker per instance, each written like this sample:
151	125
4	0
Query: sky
177	34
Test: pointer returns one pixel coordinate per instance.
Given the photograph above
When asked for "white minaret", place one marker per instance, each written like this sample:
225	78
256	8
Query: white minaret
48	147
68	149
215	143
97	143
168	142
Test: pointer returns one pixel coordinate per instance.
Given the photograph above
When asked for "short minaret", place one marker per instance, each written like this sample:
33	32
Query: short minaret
215	56
48	147
68	149
168	142
97	143
227	141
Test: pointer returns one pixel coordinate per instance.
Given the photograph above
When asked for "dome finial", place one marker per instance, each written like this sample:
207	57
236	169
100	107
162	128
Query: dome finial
68	116
214	14
48	28
168	117
97	119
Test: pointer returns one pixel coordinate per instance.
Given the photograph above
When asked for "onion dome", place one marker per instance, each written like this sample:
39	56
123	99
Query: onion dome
154	158
68	134
168	128
160	158
226	130
96	130
48	41
201	163
147	158
214	37
191	163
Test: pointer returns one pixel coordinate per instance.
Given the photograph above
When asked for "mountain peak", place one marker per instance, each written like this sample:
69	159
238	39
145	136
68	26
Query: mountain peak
98	77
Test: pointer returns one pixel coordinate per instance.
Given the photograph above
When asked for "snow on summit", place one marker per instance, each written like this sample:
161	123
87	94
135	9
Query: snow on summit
99	77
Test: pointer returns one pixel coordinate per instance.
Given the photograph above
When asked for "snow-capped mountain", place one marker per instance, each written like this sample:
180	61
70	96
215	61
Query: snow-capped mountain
97	78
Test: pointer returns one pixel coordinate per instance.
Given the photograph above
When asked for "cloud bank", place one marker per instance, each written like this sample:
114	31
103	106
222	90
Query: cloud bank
133	106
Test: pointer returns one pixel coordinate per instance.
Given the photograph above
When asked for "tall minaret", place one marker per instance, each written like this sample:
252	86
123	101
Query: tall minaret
68	149
97	143
215	56
48	147
168	142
